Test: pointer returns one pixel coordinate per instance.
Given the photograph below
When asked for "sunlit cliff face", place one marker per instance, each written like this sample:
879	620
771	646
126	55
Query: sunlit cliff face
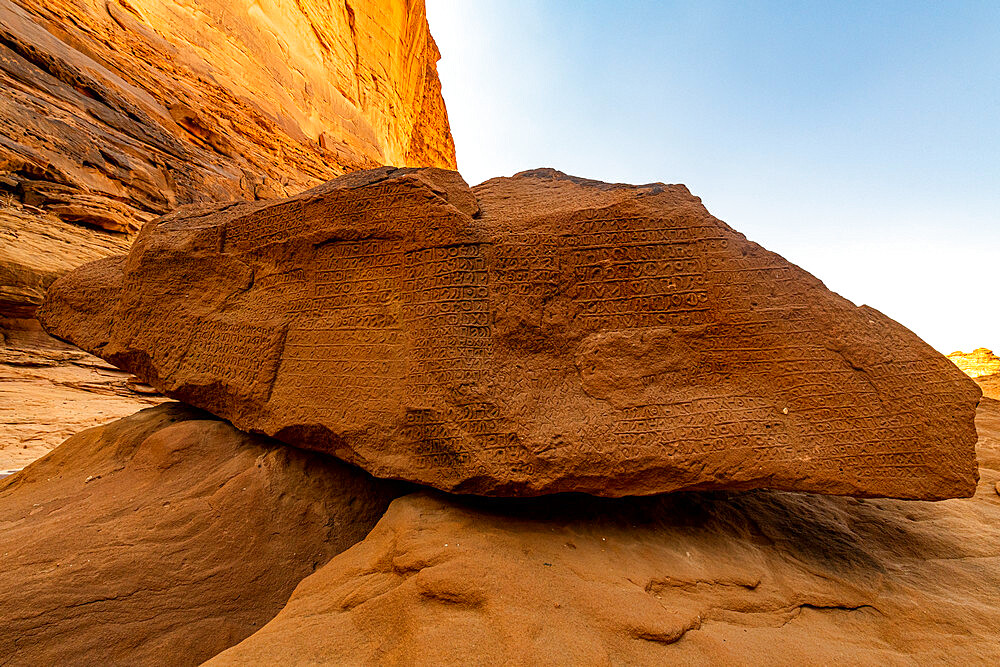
977	363
354	73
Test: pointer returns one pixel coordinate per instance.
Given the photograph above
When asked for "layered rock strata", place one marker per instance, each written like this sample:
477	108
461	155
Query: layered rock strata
979	362
50	391
990	384
691	579
113	112
37	248
539	334
166	537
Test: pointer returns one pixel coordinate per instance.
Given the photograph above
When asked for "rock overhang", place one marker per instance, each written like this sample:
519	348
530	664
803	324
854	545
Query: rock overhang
535	334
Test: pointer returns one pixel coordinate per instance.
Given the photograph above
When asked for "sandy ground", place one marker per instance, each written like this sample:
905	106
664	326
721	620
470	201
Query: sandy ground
50	390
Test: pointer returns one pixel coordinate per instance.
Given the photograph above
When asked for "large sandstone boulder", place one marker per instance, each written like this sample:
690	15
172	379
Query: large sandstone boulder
539	334
164	538
765	578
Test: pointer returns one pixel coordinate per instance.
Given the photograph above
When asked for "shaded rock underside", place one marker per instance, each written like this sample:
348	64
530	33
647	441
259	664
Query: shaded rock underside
165	537
696	579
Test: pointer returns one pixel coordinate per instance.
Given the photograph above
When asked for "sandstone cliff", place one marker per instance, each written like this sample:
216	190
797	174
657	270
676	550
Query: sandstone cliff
990	384
50	390
978	363
114	111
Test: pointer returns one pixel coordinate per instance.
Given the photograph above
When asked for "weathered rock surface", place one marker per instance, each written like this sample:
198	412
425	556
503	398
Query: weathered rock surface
990	384
114	111
689	579
980	361
36	248
541	334
50	391
164	538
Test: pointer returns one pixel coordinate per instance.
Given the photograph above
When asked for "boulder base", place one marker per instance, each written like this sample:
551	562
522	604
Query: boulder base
688	579
538	334
166	537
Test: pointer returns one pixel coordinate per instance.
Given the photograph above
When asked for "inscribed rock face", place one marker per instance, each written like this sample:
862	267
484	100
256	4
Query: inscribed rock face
536	334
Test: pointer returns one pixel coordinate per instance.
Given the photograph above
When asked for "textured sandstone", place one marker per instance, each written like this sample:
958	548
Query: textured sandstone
977	363
555	335
36	248
165	538
990	384
114	110
764	578
50	391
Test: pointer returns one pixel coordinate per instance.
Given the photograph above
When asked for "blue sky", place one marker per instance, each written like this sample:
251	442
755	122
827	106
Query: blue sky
861	140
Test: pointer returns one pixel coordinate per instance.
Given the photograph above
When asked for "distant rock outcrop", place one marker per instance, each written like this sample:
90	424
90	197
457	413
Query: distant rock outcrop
166	537
762	578
990	384
977	363
541	334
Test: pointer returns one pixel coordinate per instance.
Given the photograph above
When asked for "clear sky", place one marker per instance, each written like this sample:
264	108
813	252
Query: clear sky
861	140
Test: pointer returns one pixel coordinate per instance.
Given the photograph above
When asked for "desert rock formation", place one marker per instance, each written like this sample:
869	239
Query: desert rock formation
113	112
983	366
990	384
36	248
540	334
980	361
50	390
692	579
166	537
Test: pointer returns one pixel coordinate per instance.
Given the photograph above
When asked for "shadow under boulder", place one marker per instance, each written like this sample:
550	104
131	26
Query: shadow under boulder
695	579
166	537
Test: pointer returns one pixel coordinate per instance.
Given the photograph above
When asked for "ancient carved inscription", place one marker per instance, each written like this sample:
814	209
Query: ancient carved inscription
466	434
343	354
632	272
445	309
539	334
238	355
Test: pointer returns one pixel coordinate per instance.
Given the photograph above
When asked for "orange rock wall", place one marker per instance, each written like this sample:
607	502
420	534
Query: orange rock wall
977	363
114	111
357	74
